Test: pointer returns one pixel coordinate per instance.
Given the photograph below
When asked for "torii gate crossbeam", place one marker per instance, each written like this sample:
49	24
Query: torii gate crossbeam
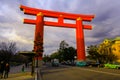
39	22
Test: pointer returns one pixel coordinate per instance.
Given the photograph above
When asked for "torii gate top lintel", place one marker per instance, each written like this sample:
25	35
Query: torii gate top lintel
47	13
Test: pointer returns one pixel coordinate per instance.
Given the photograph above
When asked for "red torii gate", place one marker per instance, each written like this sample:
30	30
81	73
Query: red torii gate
39	31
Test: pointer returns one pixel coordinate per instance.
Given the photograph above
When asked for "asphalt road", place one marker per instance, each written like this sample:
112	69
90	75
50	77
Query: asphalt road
78	73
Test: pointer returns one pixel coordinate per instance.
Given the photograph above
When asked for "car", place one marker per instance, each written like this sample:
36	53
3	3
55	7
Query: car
112	66
55	62
92	64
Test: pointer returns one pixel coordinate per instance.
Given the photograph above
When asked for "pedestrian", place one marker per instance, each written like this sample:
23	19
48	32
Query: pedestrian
1	69
26	64
23	69
7	69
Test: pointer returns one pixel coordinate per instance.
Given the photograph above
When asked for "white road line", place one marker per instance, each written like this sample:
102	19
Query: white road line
101	72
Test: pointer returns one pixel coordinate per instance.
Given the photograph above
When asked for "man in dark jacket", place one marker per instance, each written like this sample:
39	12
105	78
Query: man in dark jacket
1	69
7	69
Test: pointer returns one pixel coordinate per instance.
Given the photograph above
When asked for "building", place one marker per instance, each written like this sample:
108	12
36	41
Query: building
115	46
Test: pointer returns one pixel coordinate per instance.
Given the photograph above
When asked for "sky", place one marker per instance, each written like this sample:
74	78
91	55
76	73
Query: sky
106	23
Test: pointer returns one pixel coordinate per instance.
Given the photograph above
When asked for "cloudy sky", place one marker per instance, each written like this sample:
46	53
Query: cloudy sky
106	22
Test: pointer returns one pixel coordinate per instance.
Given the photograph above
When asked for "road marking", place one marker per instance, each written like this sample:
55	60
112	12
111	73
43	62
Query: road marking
101	72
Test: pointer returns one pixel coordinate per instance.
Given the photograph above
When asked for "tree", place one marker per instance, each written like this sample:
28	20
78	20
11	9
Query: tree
63	45
69	53
101	53
55	55
105	51
93	53
7	50
66	52
46	58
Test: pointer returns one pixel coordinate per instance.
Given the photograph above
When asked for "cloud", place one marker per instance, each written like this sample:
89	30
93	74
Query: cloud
107	21
12	36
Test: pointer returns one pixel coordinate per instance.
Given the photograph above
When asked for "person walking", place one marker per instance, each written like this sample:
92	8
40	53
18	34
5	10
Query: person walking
7	69
23	69
1	69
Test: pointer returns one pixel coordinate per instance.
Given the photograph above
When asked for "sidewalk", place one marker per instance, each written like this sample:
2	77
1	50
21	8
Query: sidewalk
17	74
20	76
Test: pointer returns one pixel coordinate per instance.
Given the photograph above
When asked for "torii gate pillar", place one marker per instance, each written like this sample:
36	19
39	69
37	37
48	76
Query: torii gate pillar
38	43
80	40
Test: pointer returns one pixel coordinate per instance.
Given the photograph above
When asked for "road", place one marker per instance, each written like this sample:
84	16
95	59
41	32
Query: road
79	73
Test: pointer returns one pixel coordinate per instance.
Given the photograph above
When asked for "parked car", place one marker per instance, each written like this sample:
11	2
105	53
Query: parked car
68	63
112	66
55	62
92	64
